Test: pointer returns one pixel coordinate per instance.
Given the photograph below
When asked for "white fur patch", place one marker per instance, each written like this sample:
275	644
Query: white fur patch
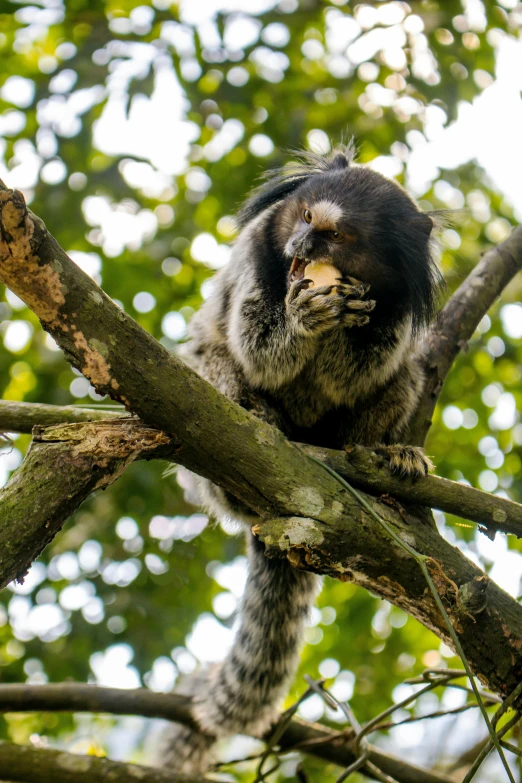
289	247
326	214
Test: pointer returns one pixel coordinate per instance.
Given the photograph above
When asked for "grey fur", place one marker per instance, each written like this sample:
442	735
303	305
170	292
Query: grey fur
330	367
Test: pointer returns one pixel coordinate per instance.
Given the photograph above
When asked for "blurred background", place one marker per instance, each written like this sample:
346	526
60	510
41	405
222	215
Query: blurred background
134	130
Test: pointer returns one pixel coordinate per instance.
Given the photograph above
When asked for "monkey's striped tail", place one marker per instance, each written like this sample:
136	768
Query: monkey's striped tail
241	695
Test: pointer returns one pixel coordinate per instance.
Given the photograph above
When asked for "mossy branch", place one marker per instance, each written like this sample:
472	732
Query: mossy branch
25	764
64	465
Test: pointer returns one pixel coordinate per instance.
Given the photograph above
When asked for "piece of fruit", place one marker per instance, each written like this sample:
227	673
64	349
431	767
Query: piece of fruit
321	274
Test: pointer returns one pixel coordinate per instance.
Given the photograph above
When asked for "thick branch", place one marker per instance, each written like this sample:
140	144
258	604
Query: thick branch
458	320
311	519
30	765
314	739
66	463
362	467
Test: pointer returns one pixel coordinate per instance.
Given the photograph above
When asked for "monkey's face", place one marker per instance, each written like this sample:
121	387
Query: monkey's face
331	210
319	232
357	221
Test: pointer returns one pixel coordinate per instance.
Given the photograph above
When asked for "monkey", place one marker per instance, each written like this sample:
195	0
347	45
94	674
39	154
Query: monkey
329	365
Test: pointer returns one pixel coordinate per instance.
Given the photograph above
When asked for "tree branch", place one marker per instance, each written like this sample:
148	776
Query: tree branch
56	476
367	470
362	466
40	765
68	462
457	321
308	516
23	416
313	739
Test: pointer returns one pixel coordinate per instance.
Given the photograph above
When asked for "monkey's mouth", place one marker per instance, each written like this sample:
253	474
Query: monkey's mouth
298	268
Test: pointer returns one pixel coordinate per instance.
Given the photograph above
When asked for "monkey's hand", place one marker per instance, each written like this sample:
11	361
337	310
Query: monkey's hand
406	461
314	311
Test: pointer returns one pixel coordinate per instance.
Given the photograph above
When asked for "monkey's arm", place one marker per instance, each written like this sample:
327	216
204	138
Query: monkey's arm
273	341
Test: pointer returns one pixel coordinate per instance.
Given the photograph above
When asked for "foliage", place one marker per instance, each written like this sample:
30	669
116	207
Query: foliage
135	129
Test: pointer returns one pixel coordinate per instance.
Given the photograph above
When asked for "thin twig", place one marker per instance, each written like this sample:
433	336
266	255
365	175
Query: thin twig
513	748
314	739
429	716
486	750
372	725
457	321
363	759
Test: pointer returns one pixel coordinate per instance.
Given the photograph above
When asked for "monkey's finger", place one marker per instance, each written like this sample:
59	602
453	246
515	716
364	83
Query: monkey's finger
334	305
358	291
406	461
296	287
351	319
360	304
322	290
347	280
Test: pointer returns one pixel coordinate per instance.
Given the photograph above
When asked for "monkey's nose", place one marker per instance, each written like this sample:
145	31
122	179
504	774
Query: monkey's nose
302	245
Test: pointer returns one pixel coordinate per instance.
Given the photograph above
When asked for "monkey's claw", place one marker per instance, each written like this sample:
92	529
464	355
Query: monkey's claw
350	319
365	305
296	287
406	461
360	306
316	310
349	286
353	290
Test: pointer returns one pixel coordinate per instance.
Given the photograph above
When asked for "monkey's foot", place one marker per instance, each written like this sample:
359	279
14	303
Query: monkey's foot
406	461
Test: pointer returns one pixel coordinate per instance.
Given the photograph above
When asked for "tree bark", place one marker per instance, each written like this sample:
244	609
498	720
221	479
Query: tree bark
23	416
63	466
361	466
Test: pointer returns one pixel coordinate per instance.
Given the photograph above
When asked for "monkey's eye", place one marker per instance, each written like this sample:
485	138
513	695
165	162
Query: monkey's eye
335	236
307	216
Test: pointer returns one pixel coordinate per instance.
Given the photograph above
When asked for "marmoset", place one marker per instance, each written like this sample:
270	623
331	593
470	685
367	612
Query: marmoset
329	365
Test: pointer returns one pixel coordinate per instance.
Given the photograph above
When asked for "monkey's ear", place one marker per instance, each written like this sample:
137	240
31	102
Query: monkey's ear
424	222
